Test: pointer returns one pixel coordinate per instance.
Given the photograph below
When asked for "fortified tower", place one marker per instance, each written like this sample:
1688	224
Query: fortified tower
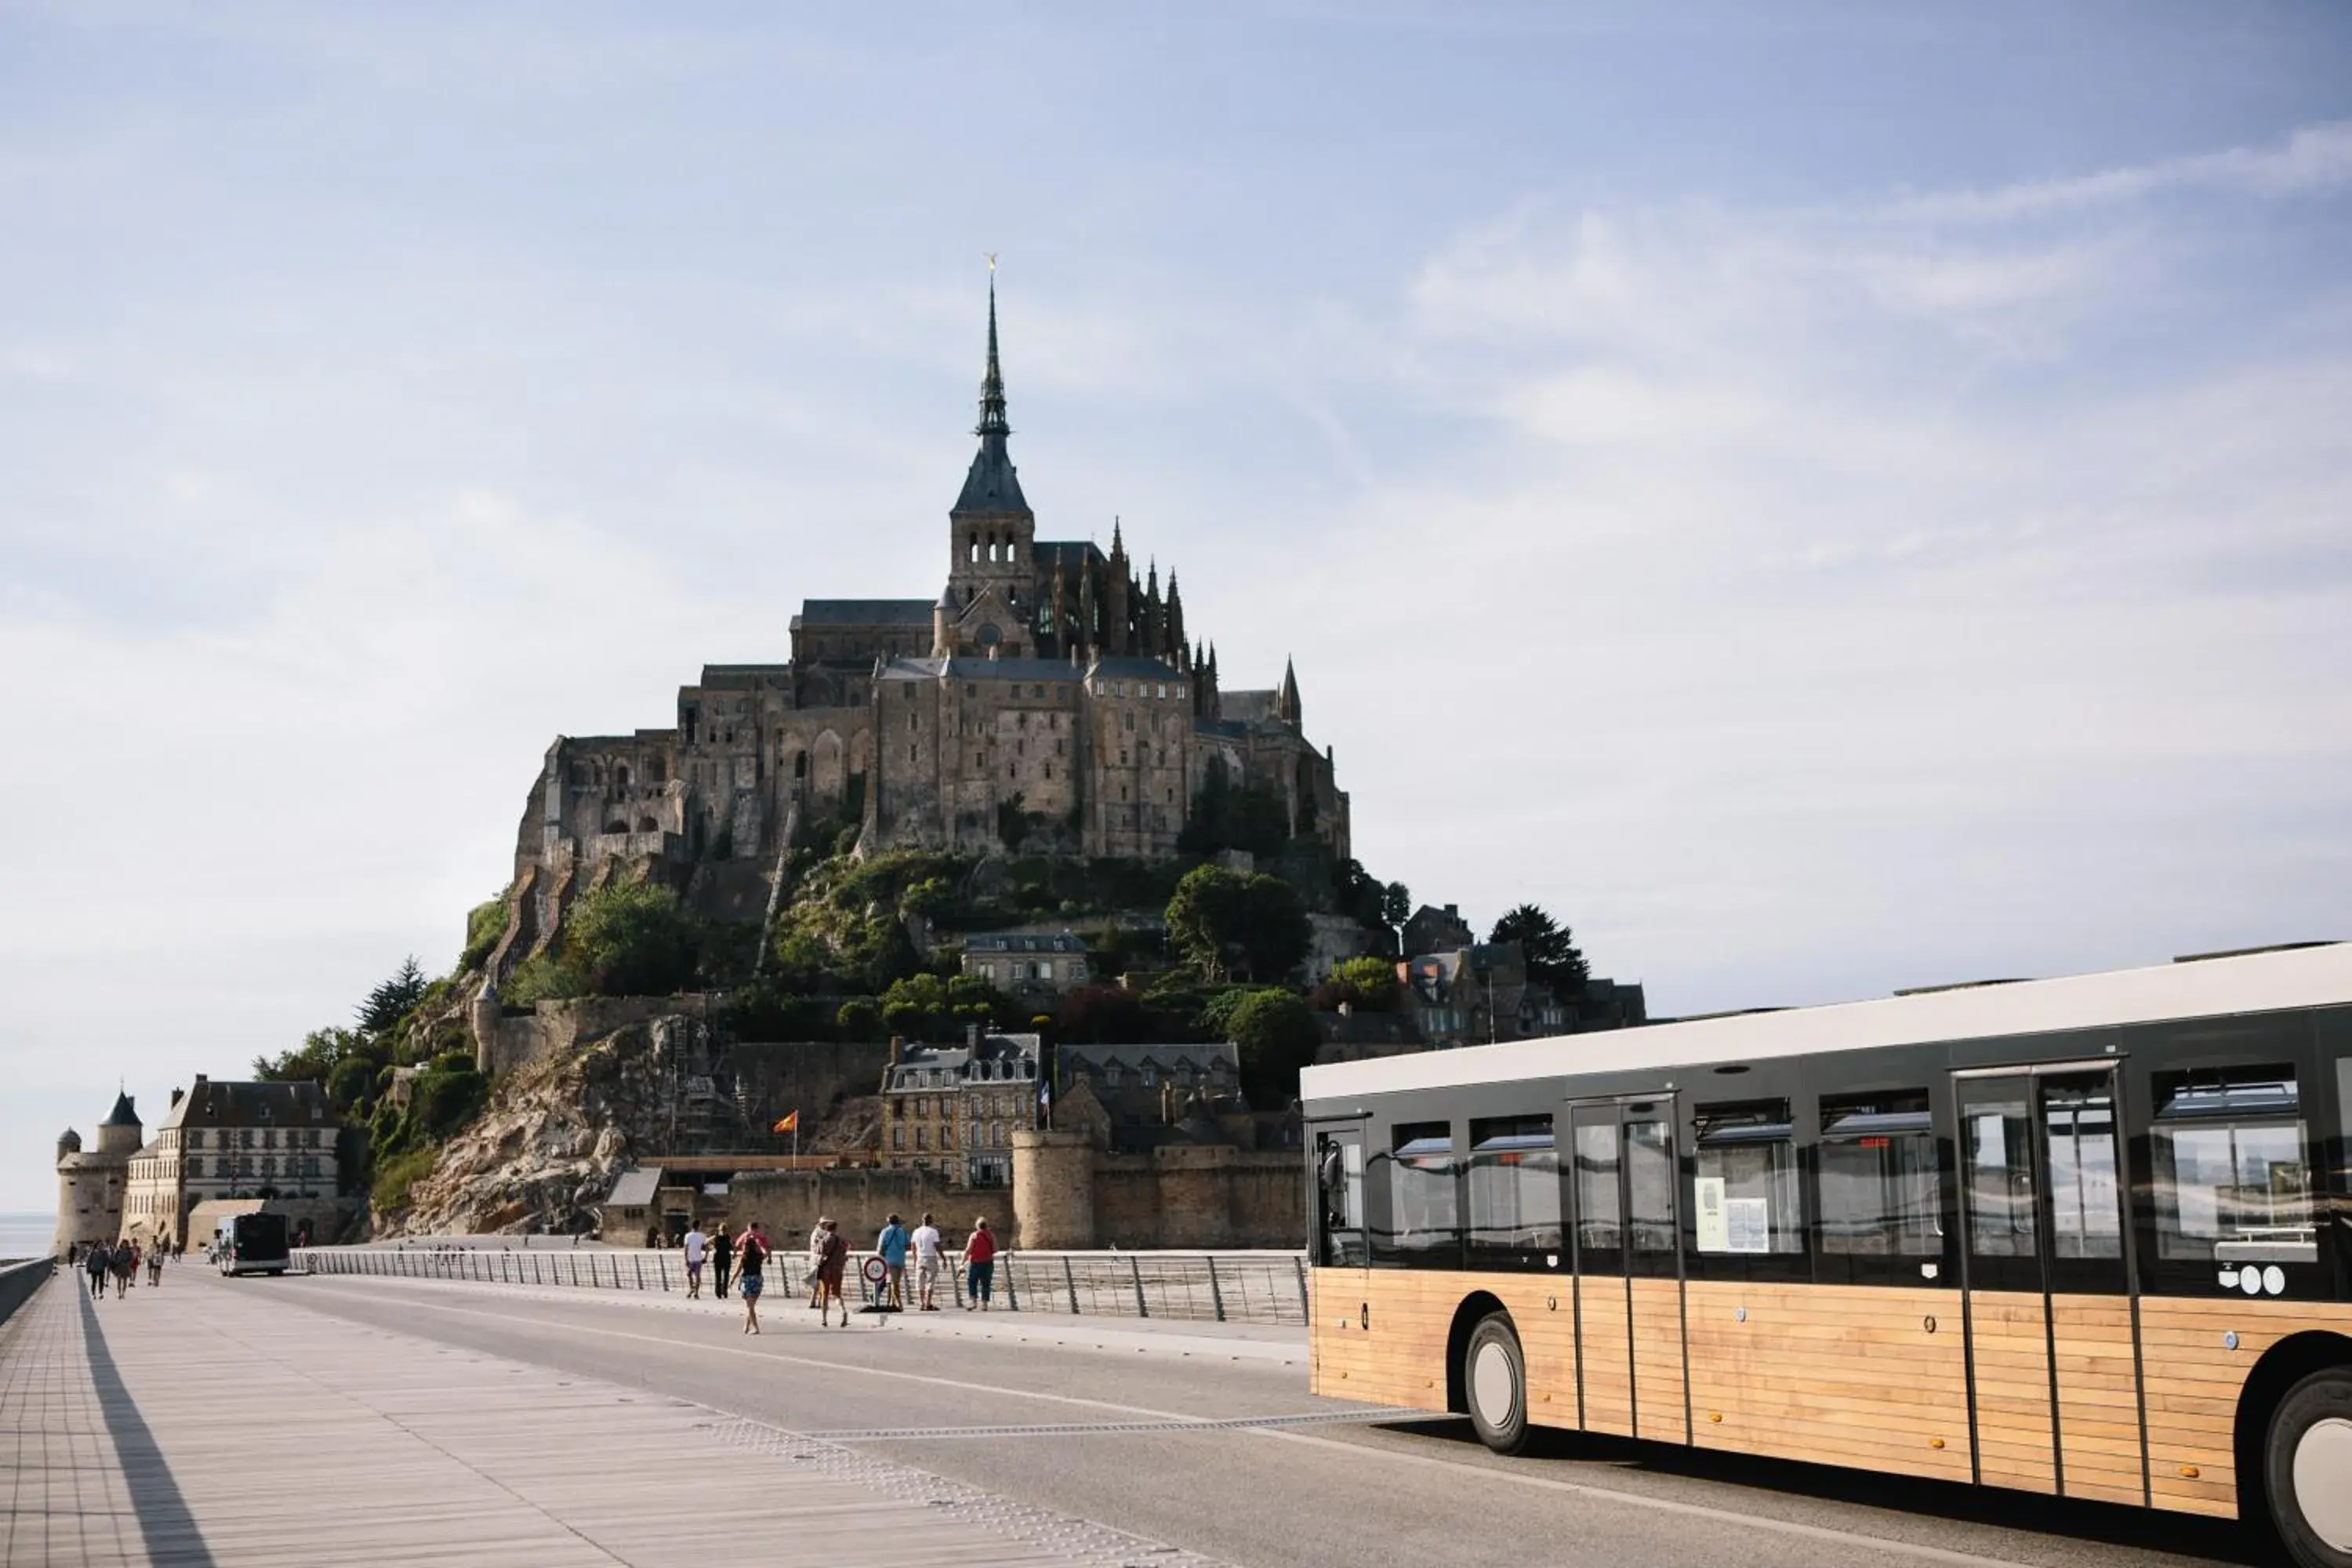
90	1183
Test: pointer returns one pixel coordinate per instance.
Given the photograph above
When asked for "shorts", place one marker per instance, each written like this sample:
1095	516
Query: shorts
927	1272
694	1269
749	1285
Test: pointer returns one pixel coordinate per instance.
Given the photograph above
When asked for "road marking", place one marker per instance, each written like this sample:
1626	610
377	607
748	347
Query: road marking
1427	1461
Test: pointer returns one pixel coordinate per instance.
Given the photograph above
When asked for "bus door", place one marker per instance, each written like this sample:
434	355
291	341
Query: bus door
1338	1196
1629	1324
2055	1395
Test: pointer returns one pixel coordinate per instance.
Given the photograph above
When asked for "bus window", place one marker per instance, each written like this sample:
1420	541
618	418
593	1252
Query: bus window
1423	1229
2084	1218
1996	1134
1340	1195
1650	1187
1597	1175
1744	1189
1880	1193
1514	1190
2232	1182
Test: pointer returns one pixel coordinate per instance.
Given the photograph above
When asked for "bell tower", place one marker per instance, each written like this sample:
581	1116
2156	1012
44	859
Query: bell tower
992	532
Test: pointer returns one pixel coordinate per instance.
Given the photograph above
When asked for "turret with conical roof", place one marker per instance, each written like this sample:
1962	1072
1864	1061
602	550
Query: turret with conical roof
121	1133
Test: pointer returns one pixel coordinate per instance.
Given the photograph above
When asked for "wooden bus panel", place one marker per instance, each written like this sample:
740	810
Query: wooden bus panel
1605	1351
1659	1411
2098	1399
1543	1309
1396	1353
2009	1335
1831	1374
2193	1379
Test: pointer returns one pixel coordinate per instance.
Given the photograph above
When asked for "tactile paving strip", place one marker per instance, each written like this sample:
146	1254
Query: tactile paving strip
1075	1541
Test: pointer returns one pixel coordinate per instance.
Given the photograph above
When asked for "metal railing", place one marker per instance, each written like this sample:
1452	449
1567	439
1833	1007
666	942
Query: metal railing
1197	1287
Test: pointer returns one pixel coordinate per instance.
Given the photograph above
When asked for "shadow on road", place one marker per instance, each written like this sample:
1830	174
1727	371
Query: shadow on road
164	1522
2143	1529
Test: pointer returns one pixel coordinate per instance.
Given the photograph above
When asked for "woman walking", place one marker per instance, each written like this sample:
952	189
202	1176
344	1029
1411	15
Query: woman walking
750	1263
978	1266
828	1275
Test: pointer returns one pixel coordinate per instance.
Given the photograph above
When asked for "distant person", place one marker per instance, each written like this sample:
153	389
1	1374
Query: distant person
750	1262
815	1265
696	1245
926	1264
119	1264
97	1261
891	1247
155	1264
722	1260
836	1257
978	1266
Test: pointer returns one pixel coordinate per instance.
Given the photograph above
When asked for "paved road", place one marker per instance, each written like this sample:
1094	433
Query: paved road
1089	1418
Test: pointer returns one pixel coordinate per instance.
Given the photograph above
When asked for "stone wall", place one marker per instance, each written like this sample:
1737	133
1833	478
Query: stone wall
807	1076
789	1202
555	1028
1066	1194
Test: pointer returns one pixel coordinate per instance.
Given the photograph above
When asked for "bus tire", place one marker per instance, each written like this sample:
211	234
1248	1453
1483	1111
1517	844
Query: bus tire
1495	1383
2307	1469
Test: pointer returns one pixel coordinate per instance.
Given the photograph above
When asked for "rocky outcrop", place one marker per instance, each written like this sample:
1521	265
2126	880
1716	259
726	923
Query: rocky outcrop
556	1134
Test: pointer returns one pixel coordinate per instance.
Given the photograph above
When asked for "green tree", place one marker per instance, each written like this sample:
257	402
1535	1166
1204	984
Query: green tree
1366	985
631	939
315	1060
1227	923
859	1019
484	924
1396	905
1551	952
389	1002
1277	1038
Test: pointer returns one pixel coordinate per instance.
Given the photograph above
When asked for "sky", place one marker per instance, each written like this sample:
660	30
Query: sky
1823	498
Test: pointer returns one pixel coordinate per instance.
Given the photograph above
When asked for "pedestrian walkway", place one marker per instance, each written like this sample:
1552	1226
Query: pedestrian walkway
1185	1338
222	1423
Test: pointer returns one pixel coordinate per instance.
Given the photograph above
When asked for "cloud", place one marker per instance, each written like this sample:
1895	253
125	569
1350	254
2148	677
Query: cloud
2314	159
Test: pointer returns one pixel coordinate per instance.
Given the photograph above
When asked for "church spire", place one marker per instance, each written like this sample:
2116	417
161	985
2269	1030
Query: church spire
992	383
1285	702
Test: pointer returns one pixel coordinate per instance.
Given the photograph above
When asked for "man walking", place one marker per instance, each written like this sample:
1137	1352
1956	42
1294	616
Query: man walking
926	1264
97	1261
891	1247
722	1259
828	1274
696	1245
750	1259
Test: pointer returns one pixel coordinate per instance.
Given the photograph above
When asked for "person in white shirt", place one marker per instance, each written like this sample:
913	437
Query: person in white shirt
926	1263
696	1245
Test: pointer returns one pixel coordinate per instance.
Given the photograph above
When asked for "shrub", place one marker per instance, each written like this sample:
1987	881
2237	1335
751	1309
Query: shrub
1277	1038
859	1019
484	924
396	1176
542	977
632	939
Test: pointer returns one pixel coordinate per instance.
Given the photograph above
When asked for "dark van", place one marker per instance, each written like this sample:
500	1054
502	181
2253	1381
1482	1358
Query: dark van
252	1244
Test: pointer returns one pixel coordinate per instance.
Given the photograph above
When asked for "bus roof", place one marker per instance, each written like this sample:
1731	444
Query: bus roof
2315	976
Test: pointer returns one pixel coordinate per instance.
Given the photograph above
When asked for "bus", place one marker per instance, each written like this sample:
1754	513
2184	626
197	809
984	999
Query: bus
251	1243
2085	1238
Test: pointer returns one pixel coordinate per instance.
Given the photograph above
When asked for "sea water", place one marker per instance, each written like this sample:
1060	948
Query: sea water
26	1234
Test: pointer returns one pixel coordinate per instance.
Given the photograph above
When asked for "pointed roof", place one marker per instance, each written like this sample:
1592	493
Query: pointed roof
124	1113
1286	703
992	486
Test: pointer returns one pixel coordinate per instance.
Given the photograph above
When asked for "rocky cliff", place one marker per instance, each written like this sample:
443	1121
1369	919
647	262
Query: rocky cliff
555	1135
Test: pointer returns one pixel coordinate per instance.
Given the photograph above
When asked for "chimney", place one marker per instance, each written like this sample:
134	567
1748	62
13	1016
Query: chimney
1168	1102
971	1036
897	1044
200	1080
178	1095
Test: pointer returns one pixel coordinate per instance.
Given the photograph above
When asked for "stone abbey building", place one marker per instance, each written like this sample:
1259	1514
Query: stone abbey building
1045	699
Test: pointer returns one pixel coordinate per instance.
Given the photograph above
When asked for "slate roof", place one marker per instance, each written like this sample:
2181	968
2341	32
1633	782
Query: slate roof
636	1189
124	1113
993	485
978	669
210	1104
1245	707
1200	1058
864	613
1022	941
1069	554
1124	665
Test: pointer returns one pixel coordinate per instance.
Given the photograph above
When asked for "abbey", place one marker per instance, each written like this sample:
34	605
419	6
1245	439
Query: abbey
1045	700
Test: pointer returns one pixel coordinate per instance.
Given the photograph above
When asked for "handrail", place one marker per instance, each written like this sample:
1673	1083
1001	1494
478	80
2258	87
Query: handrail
1238	1287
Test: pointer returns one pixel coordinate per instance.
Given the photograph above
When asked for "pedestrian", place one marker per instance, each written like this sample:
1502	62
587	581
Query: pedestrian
155	1264
828	1274
815	1266
98	1261
891	1247
751	1261
926	1264
696	1244
121	1264
722	1260
978	1266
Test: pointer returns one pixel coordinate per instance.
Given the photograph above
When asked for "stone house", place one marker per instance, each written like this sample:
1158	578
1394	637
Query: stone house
954	1110
224	1140
1147	1086
1433	929
1024	964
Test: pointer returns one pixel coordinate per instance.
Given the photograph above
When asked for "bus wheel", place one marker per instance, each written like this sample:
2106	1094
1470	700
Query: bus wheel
2307	1469
1495	1383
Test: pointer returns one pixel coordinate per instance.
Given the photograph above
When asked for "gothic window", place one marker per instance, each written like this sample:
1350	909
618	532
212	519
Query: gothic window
621	776
972	545
1130	720
799	764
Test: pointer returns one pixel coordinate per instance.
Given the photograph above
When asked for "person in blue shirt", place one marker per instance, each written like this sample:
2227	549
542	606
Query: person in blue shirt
891	1247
